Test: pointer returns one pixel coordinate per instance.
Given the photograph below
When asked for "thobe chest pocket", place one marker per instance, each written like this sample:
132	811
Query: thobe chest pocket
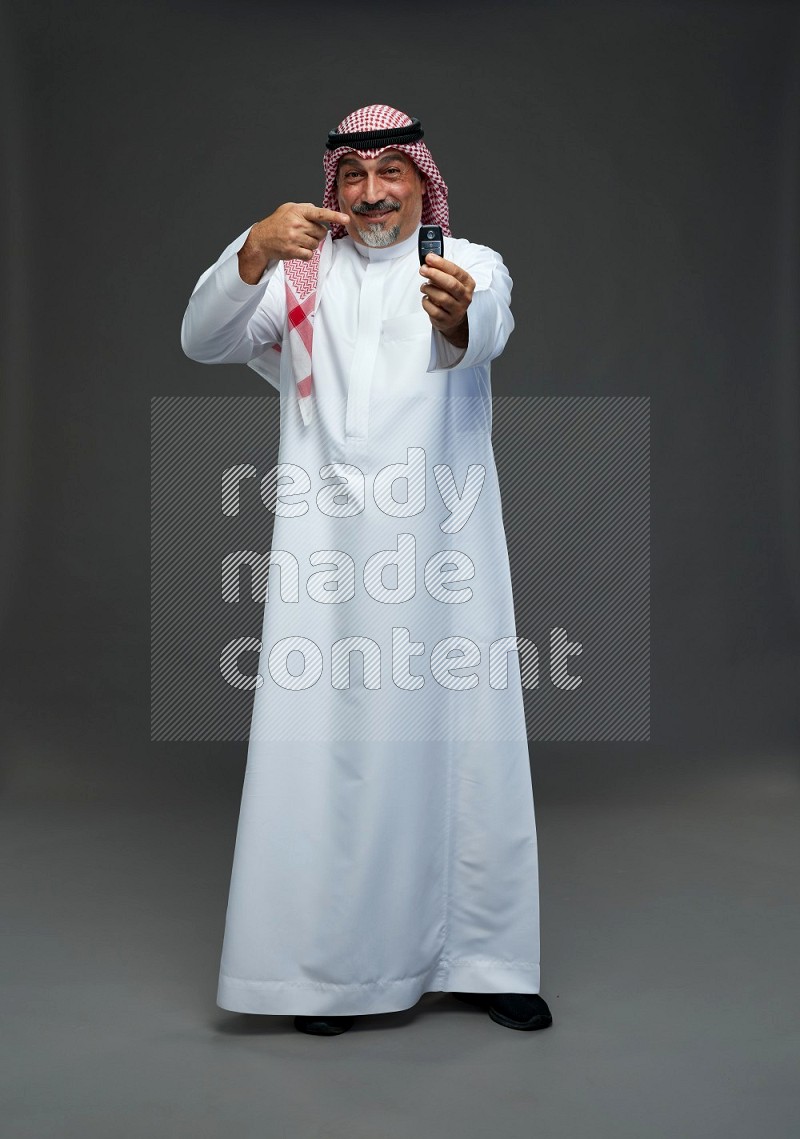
457	398
406	327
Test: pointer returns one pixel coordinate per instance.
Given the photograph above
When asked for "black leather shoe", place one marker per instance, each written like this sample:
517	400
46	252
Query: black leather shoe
513	1010
323	1025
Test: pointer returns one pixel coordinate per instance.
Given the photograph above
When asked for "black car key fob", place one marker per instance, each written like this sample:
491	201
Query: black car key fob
431	240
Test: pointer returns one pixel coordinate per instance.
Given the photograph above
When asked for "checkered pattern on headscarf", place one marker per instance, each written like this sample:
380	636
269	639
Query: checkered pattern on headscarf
304	279
380	117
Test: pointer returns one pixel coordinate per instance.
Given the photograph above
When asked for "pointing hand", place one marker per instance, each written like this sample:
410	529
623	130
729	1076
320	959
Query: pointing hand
294	230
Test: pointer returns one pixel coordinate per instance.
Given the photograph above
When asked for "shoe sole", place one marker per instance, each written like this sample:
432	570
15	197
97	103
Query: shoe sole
526	1025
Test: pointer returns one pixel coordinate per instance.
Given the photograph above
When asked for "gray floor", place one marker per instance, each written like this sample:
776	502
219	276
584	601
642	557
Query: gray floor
670	945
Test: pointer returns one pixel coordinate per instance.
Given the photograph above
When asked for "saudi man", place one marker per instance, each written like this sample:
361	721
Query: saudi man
386	844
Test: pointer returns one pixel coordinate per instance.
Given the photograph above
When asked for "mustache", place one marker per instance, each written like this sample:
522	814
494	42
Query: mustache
368	207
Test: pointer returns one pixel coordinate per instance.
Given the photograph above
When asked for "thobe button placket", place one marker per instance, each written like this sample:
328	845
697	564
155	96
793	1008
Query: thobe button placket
370	309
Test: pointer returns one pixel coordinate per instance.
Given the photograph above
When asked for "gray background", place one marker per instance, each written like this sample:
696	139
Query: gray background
637	165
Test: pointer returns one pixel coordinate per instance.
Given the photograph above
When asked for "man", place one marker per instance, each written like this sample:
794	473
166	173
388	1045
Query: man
386	844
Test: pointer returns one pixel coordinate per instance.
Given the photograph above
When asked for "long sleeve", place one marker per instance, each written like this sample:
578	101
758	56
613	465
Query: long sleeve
489	314
229	321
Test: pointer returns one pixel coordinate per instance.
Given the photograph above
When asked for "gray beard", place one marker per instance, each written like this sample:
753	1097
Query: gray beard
376	236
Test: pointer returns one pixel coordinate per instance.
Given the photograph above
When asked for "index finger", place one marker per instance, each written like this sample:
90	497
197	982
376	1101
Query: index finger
320	214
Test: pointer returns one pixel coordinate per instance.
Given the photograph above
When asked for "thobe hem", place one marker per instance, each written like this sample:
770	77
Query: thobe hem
305	998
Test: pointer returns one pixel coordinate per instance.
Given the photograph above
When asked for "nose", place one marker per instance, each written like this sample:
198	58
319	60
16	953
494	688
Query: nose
373	191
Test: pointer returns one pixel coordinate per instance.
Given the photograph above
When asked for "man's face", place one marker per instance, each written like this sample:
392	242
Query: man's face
382	195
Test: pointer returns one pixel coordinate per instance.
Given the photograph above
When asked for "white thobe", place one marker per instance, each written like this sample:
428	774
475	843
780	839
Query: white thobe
386	844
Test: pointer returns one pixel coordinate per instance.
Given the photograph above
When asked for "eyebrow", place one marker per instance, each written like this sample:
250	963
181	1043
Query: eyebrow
382	158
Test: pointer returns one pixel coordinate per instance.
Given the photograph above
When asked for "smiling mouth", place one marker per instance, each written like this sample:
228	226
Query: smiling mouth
376	213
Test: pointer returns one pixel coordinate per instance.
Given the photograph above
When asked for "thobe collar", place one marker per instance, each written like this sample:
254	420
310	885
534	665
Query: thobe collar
387	252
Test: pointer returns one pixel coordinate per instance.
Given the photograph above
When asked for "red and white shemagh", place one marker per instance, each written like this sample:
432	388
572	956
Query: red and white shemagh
305	279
